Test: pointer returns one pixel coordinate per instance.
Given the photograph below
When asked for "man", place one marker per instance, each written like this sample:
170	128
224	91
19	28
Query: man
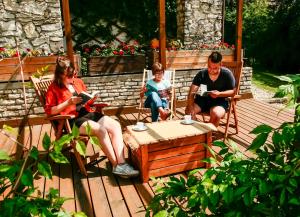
219	82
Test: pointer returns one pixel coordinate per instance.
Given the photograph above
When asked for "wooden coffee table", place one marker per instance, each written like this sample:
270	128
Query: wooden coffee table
168	147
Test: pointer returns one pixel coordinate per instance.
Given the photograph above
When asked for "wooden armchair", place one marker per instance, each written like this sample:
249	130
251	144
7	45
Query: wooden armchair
236	68
61	124
169	75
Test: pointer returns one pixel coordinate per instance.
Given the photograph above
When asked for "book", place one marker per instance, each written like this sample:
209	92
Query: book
87	97
206	93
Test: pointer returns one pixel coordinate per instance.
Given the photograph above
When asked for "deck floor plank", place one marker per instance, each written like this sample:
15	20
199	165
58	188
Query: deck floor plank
66	185
113	192
82	192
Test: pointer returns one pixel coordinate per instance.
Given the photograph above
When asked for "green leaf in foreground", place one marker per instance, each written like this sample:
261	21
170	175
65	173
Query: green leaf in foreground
258	141
58	157
262	129
81	147
34	153
4	155
27	178
46	142
45	169
95	141
80	214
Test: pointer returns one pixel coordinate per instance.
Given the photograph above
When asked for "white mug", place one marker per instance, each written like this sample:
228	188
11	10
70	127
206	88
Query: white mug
140	125
188	118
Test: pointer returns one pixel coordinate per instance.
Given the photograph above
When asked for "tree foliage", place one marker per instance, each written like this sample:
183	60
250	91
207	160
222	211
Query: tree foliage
270	32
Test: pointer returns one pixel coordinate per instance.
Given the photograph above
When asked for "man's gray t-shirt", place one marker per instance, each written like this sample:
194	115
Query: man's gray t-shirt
224	82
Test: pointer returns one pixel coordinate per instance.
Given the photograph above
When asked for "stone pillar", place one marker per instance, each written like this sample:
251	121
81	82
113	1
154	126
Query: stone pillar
35	24
202	22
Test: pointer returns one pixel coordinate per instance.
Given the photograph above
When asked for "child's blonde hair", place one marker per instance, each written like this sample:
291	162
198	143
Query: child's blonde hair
157	67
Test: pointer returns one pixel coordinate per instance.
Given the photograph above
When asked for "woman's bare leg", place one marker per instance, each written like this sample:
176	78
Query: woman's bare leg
103	137
114	129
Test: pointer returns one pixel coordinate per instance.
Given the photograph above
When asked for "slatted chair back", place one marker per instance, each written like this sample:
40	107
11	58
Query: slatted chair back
169	75
41	85
236	68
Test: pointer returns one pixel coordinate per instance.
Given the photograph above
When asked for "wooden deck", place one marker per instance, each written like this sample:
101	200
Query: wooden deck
102	194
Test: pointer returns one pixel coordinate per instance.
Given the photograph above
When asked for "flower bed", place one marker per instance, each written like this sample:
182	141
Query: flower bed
189	59
112	59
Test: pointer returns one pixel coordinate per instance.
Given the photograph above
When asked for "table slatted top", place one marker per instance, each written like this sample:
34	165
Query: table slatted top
169	130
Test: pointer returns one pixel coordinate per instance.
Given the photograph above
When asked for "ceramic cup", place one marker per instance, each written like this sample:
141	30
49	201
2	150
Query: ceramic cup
188	118
140	125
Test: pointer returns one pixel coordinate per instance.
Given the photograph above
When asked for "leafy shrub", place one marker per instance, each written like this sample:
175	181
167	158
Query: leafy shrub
16	180
265	185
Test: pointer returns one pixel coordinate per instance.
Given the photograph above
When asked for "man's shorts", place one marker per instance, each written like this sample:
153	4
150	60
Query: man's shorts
206	102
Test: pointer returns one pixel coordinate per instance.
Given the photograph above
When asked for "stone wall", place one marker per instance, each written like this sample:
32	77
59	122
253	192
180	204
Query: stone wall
117	90
202	21
35	24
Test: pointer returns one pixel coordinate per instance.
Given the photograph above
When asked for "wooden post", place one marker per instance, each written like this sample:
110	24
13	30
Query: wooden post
68	31
239	25
162	32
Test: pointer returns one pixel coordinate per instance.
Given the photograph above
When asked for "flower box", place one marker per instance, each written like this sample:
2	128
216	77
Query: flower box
189	59
10	68
98	65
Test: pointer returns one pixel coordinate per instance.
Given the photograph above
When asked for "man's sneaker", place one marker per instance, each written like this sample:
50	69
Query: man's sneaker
125	171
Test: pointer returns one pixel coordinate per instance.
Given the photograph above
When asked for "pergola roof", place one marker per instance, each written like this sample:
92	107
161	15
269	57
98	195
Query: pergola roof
162	30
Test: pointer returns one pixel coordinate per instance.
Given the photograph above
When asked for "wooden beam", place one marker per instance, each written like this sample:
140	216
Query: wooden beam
162	32
239	30
68	30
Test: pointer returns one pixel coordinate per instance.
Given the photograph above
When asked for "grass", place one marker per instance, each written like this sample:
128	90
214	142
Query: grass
265	79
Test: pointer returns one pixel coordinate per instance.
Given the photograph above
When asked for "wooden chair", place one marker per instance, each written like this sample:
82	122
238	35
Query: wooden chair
61	124
169	75
236	68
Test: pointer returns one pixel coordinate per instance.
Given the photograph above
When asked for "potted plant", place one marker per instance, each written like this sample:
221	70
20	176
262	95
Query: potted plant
111	59
180	58
31	61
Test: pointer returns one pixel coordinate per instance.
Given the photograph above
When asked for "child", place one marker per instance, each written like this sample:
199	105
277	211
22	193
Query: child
157	91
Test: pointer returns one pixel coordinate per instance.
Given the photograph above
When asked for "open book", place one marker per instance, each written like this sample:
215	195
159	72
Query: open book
87	96
202	91
205	93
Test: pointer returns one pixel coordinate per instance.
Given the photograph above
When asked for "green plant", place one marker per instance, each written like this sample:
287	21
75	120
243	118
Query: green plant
265	185
16	178
8	52
292	91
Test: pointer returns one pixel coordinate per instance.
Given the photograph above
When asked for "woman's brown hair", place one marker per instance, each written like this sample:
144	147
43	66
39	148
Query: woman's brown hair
157	67
63	67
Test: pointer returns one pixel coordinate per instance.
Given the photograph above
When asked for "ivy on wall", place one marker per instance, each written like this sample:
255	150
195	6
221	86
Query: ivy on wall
102	21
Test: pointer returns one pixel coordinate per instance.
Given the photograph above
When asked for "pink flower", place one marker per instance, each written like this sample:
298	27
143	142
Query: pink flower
2	49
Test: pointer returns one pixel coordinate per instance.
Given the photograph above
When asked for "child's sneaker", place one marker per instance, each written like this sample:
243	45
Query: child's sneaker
125	171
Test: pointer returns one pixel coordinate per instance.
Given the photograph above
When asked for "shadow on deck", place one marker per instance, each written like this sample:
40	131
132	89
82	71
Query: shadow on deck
102	193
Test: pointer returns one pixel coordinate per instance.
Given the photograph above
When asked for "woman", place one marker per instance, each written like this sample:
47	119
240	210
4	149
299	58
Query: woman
62	98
